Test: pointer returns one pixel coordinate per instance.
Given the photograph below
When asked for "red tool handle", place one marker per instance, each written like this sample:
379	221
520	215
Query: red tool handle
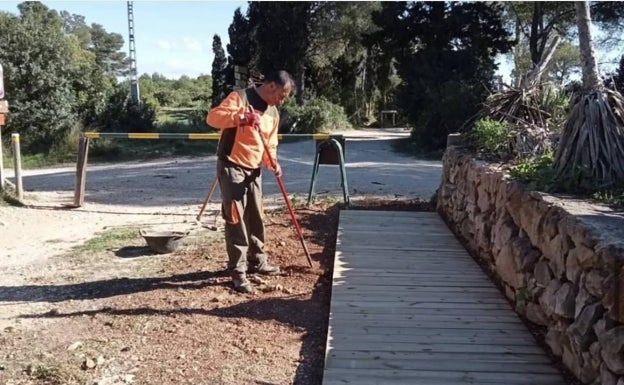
285	195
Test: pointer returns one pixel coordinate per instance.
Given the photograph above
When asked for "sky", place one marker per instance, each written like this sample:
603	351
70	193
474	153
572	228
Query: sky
173	38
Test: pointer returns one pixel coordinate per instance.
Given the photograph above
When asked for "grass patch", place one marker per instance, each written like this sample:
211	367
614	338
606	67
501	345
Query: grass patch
8	197
32	161
55	374
111	238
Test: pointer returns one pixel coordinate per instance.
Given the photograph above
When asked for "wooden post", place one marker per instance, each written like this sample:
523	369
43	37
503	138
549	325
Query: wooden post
17	166
81	171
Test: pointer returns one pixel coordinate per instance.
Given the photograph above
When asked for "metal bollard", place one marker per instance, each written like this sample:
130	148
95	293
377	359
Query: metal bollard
17	166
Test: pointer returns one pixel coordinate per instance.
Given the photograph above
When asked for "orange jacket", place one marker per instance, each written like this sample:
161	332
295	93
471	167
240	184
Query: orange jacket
242	144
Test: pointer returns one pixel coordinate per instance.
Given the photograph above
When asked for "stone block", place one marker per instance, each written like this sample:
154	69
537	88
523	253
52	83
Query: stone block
606	376
583	298
536	315
613	299
554	340
565	300
542	272
594	282
612	341
581	331
615	362
548	300
590	370
507	269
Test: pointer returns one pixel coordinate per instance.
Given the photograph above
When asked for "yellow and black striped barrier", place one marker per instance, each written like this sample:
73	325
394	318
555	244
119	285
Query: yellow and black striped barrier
83	150
193	136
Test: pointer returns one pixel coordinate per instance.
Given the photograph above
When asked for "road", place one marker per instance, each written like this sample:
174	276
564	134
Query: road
169	192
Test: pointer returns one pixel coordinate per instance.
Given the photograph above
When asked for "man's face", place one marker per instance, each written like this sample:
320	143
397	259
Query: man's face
278	94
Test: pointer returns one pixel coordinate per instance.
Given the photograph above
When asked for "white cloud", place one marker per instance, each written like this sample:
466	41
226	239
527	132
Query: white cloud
192	45
185	44
165	44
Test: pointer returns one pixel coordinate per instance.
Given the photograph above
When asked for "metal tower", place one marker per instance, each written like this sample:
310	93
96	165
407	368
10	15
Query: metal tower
134	82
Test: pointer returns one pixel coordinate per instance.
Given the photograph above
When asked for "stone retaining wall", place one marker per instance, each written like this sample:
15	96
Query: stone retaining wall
558	260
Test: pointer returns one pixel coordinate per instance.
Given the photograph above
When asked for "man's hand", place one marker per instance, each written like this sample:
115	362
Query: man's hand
277	170
251	119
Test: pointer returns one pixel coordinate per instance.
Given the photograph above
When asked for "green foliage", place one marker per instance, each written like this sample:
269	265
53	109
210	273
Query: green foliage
445	60
491	137
537	172
316	115
184	92
121	115
613	198
555	102
36	58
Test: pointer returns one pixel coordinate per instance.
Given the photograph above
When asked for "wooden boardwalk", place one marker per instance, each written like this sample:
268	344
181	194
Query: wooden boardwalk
410	306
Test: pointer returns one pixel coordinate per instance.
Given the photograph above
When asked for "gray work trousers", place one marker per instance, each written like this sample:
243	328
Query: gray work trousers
241	208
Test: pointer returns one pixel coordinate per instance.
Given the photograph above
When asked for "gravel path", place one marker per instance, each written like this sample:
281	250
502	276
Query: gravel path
168	193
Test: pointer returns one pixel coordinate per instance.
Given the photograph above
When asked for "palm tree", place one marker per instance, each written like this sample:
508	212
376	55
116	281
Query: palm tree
591	149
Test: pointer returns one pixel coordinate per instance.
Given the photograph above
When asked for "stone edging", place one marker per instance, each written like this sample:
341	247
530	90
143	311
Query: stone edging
558	260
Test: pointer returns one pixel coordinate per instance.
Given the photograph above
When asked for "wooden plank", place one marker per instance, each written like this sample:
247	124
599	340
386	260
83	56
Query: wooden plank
344	214
434	253
436	356
419	297
425	317
437	347
396	309
474	292
390	248
415	276
438	338
433	331
433	325
422	377
432	272
417	281
443	366
387	304
414	267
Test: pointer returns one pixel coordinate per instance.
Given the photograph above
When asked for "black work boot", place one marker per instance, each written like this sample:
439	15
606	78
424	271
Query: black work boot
265	269
241	283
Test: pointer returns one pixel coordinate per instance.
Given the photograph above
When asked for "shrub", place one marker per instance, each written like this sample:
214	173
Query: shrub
316	115
538	172
491	137
121	115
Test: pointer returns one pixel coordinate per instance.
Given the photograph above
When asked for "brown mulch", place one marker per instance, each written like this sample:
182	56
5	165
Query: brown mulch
97	322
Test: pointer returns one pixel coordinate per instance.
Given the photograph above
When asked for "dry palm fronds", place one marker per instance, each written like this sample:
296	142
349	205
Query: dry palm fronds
592	143
523	110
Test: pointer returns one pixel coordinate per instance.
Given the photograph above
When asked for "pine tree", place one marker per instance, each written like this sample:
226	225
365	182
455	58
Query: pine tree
219	66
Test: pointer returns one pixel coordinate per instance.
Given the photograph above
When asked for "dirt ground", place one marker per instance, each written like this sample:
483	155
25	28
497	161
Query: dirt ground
124	315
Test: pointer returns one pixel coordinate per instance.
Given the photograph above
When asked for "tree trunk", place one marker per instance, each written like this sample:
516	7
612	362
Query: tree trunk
300	76
591	77
591	149
516	54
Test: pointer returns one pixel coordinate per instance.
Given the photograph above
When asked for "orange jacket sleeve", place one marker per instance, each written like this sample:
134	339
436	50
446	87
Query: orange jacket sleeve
226	114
